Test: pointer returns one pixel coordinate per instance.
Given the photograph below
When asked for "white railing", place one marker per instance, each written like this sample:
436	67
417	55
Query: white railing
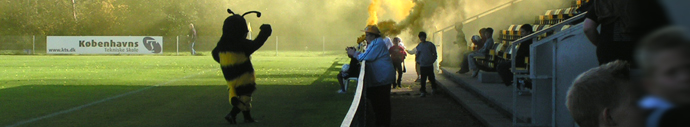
555	28
546	99
357	101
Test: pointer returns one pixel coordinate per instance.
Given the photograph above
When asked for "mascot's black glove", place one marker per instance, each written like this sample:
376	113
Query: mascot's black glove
266	27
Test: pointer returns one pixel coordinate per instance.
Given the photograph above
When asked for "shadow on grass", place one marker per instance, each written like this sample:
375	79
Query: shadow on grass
202	105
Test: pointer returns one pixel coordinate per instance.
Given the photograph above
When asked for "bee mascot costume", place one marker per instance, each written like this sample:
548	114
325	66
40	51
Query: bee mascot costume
232	52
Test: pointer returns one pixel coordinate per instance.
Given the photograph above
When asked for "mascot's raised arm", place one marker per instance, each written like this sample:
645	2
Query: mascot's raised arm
232	53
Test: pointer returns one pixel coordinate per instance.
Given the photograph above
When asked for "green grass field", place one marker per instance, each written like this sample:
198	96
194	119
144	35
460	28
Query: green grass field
165	91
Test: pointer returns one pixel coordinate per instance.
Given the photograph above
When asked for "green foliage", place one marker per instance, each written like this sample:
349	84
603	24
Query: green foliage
299	24
99	17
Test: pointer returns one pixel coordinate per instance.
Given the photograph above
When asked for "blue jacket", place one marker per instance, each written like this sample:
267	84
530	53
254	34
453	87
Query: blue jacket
426	54
379	71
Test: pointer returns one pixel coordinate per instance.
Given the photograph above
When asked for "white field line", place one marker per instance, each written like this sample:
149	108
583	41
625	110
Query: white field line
102	100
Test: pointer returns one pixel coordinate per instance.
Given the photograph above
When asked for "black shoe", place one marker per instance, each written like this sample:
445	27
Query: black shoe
249	121
230	120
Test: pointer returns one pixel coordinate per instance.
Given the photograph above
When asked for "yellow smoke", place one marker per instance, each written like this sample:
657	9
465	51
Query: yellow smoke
410	15
373	9
399	8
389	28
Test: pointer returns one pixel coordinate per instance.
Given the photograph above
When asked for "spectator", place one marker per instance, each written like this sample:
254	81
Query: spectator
483	51
398	57
361	47
349	70
464	66
664	58
379	74
605	96
504	68
482	35
352	69
426	56
478	41
192	37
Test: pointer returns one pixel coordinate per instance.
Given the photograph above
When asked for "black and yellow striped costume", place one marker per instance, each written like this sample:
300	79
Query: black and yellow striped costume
232	53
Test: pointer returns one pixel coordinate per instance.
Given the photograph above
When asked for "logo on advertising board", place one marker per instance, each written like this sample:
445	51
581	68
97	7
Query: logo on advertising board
152	45
104	44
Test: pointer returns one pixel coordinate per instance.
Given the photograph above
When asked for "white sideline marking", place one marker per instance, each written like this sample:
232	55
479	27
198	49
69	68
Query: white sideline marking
102	100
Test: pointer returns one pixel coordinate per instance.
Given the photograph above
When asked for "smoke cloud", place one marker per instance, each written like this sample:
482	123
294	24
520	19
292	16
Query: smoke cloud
373	12
413	16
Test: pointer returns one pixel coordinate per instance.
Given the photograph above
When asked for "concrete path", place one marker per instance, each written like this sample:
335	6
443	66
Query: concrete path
438	110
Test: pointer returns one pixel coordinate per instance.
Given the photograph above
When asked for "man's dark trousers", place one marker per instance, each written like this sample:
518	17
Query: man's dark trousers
616	50
380	98
398	69
427	72
464	66
503	69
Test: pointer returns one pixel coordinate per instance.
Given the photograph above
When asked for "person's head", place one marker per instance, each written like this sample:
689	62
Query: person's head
489	32
664	58
482	32
372	32
191	25
605	96
396	40
476	38
525	30
422	36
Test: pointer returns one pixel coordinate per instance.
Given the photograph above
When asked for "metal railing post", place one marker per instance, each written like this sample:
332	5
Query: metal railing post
177	51
33	45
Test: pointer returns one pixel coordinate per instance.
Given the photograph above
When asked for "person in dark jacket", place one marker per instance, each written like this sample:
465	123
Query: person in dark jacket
504	68
192	38
615	27
426	57
232	52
